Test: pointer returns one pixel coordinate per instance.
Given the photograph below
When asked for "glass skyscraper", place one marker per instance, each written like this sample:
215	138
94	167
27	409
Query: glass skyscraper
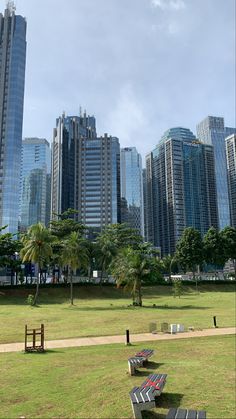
213	131
181	189
35	182
85	172
230	144
132	189
12	80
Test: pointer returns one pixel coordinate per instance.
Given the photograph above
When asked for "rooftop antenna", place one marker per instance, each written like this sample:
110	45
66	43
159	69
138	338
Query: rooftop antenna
10	5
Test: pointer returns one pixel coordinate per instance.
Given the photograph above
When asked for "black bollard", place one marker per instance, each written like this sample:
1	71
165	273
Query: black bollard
214	320
127	337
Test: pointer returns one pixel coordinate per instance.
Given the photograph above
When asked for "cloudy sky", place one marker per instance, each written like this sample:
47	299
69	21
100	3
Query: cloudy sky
139	66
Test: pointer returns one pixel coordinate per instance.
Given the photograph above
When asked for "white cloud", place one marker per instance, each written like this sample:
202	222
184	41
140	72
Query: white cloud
169	4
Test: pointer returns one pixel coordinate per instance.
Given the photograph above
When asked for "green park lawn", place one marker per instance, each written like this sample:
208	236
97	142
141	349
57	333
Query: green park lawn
92	382
106	311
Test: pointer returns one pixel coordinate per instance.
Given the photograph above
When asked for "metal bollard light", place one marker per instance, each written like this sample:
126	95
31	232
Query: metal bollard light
214	320
127	337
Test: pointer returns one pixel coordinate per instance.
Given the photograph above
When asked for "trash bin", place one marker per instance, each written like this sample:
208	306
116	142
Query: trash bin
152	327
164	327
180	328
173	328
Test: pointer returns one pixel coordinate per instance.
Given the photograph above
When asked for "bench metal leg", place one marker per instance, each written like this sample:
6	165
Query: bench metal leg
139	407
131	368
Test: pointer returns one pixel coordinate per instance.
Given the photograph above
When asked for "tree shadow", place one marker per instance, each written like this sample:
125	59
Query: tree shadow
186	307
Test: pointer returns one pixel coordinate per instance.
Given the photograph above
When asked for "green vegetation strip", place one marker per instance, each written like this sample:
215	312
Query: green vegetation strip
102	311
92	382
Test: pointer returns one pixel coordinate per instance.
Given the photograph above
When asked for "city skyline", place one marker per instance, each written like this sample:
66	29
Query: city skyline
138	81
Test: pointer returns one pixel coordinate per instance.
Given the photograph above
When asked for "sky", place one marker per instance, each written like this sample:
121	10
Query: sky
139	66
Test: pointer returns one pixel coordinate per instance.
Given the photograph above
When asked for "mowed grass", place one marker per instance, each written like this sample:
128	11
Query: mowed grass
92	382
106	311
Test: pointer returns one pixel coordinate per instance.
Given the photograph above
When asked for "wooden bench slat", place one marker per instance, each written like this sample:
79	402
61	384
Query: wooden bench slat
171	414
181	414
185	414
192	414
132	395
201	414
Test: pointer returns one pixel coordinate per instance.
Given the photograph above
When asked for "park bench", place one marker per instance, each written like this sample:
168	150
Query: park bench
143	397
139	359
186	414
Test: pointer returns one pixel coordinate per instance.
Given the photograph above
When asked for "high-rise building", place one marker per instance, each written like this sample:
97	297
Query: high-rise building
131	189
12	80
66	164
35	182
213	131
145	213
230	143
181	190
85	172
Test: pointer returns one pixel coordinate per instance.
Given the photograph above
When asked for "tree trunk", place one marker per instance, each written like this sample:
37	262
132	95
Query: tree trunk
195	279
139	296
71	288
37	291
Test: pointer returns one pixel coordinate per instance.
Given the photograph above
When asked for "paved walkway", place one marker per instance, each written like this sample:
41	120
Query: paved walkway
102	340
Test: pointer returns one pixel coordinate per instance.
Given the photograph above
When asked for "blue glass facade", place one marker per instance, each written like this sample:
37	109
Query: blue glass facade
212	131
132	189
12	78
230	144
181	188
35	182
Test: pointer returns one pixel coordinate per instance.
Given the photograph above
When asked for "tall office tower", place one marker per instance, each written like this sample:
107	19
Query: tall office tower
213	131
66	167
85	172
12	80
181	188
131	189
35	182
145	214
230	143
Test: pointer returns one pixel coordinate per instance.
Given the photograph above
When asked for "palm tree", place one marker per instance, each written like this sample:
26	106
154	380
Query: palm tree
167	265
130	268
74	255
37	248
107	251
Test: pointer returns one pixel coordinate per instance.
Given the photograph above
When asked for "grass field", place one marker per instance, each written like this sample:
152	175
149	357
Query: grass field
106	311
92	382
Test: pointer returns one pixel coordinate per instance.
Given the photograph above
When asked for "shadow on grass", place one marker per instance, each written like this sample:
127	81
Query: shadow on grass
187	307
165	401
168	400
46	352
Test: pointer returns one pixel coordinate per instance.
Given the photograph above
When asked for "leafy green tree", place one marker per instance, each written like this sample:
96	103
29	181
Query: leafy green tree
107	250
66	223
113	238
74	254
213	248
37	248
189	251
130	268
178	288
228	235
9	247
168	265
